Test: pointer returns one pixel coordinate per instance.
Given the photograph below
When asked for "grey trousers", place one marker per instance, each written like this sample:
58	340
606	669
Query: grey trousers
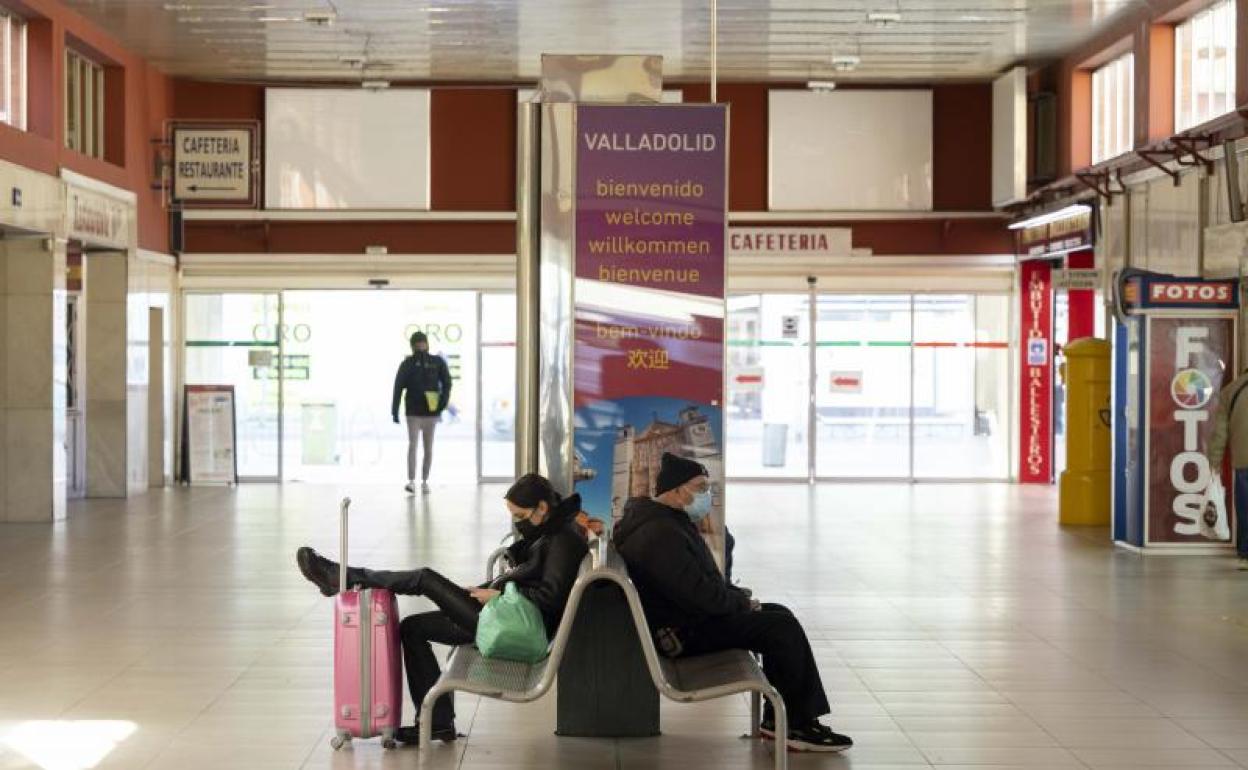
421	427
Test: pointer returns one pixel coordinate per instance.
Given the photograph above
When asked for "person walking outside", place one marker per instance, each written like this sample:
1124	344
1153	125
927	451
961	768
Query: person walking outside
427	382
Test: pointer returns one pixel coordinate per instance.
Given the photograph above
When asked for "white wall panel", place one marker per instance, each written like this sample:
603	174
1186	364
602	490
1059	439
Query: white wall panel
850	151
346	148
1009	137
1172	221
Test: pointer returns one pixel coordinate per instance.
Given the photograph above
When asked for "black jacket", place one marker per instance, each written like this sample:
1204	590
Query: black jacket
675	573
546	566
421	373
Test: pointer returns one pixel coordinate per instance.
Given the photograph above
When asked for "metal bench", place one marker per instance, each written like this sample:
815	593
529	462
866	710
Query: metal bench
699	677
685	680
470	671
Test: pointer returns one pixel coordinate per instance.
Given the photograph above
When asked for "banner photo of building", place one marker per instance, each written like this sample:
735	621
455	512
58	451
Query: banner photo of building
648	367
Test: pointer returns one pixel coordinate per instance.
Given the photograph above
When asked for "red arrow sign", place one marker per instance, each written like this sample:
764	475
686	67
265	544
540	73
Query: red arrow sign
846	382
749	379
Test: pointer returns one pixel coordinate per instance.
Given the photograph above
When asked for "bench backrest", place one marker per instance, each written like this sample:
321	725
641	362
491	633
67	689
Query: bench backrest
611	567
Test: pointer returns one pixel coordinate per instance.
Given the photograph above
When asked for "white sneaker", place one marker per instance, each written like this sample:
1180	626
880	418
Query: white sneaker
424	487
410	488
1242	564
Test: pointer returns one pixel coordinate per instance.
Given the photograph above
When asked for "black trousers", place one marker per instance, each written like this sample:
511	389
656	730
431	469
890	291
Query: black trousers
454	623
775	633
419	632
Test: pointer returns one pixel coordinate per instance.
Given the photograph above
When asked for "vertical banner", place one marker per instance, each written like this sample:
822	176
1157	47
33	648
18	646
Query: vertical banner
1036	415
648	366
1188	364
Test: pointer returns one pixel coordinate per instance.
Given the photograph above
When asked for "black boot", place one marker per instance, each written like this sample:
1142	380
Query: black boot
411	735
318	569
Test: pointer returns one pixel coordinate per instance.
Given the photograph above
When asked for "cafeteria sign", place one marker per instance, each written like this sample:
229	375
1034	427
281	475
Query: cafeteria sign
213	164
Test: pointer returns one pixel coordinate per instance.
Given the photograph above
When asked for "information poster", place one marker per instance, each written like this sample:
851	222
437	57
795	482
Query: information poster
1188	359
209	448
651	201
1036	418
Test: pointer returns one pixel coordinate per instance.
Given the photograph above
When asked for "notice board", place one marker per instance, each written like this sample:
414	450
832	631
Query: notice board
209	435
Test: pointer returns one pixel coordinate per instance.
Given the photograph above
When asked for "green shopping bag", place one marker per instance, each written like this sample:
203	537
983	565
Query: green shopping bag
510	627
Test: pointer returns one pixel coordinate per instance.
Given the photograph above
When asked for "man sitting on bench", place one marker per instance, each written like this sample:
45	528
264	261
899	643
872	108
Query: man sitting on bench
692	609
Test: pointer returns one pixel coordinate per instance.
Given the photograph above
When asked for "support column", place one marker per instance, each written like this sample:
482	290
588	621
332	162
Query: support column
115	380
33	368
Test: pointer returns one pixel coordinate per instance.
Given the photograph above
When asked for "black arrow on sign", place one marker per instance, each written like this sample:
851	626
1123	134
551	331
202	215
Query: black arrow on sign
197	188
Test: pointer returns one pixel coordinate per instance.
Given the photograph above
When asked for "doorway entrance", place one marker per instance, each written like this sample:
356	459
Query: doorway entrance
869	386
313	372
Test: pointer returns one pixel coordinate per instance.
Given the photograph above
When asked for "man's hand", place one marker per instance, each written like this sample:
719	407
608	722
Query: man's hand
755	604
483	595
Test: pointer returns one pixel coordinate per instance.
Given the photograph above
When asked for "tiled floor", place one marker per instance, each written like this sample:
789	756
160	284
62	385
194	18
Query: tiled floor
956	626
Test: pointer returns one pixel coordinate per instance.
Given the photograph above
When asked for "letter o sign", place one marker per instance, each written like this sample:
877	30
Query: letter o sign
1178	472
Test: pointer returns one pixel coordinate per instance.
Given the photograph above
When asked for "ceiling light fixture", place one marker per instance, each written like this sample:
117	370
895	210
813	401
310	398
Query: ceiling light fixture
883	19
320	18
1074	210
846	62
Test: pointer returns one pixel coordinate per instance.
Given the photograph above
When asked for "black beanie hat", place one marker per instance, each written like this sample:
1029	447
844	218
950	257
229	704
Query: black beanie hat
418	337
674	471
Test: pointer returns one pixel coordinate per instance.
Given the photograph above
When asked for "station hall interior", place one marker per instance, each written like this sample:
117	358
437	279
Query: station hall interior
933	309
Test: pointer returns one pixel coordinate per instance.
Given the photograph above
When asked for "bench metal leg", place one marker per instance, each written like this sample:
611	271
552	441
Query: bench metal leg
755	713
781	743
426	713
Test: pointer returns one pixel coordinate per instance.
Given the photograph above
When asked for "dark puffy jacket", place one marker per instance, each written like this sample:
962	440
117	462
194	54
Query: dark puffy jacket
546	566
419	374
675	573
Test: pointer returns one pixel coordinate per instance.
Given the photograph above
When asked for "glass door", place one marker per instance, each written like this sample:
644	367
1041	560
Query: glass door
904	386
863	386
768	393
233	339
961	386
343	348
498	386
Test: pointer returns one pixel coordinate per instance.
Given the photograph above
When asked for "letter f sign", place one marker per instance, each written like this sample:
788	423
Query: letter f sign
1188	344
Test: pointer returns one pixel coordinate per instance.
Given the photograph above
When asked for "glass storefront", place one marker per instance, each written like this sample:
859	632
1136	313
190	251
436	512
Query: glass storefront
904	386
314	374
896	386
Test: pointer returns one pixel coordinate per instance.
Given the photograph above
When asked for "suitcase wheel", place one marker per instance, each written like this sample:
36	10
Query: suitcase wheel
339	740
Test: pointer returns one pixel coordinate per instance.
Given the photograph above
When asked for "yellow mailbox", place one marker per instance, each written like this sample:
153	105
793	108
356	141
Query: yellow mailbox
1084	485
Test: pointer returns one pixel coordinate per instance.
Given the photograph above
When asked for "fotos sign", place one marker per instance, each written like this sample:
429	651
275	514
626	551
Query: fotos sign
1186	361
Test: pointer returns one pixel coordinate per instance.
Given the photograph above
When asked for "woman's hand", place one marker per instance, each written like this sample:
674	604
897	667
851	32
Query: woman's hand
483	595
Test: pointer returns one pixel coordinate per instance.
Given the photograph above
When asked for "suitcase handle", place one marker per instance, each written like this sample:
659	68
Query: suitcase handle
342	562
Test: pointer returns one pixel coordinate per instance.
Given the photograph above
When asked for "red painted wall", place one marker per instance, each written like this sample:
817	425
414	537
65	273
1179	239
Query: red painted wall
473	161
134	119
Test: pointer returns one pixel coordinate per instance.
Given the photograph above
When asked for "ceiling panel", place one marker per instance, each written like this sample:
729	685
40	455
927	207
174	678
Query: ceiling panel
502	40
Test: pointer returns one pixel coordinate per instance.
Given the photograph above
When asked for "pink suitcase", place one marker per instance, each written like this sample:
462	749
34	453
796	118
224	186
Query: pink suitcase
368	667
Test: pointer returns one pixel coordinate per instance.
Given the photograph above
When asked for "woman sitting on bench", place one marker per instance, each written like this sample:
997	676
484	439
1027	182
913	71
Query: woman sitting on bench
546	556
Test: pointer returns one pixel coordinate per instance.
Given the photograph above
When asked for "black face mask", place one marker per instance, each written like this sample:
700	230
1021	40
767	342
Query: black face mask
527	529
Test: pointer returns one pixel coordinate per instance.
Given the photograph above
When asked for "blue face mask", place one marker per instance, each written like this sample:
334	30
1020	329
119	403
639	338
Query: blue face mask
700	508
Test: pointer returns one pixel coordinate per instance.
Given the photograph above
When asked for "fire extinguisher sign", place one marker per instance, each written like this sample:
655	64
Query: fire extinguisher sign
1189	360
